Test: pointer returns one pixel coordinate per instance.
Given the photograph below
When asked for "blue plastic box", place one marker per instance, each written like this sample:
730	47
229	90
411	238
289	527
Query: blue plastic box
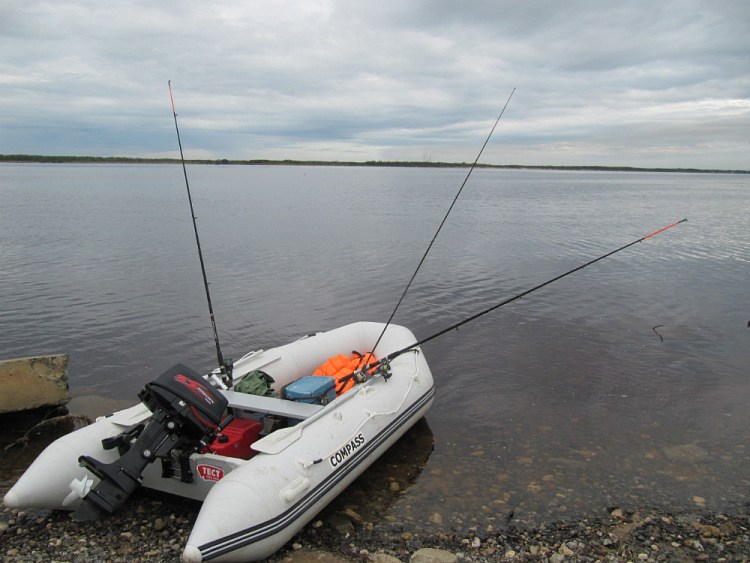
314	389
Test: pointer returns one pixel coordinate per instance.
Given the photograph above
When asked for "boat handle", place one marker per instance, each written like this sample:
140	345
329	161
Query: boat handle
295	489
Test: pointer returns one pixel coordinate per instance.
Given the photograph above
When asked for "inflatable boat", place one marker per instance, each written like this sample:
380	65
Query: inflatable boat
263	466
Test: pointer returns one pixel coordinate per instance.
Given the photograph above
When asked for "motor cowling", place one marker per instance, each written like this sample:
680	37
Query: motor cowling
188	398
186	413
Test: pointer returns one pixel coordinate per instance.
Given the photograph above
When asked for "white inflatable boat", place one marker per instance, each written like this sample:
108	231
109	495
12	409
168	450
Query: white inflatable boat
263	466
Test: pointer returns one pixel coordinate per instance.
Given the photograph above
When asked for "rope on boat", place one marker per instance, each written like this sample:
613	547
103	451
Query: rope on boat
370	416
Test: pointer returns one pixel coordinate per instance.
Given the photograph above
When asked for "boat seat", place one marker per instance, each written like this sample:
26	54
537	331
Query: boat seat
271	405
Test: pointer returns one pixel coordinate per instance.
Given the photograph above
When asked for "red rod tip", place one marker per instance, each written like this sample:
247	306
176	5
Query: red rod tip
664	229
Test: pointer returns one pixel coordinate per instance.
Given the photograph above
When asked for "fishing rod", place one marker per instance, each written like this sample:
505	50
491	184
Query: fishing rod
445	218
226	368
384	361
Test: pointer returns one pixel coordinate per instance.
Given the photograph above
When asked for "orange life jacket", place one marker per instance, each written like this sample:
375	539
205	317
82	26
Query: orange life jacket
343	367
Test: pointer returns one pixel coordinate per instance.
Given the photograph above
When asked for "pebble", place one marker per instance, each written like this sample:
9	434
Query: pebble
700	501
353	515
566	551
617	513
381	557
709	531
432	555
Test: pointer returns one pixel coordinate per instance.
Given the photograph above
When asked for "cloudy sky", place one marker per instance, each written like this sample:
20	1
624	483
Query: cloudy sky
638	83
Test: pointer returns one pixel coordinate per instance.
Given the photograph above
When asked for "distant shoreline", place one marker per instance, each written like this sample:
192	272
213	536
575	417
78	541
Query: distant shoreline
42	159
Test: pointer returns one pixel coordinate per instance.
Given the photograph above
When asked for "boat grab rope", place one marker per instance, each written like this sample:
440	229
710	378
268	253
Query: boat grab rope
445	218
370	415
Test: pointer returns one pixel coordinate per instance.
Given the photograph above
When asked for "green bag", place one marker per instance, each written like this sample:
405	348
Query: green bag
256	382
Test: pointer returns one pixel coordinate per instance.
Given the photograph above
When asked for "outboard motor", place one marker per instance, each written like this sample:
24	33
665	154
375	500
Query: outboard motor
187	413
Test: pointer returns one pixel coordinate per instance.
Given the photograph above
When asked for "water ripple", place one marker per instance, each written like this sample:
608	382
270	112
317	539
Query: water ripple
569	391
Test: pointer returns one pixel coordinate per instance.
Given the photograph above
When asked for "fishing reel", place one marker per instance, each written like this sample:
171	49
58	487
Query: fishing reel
384	369
187	415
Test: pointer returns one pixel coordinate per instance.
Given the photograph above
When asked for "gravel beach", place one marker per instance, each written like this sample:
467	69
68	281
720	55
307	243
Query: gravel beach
149	529
357	526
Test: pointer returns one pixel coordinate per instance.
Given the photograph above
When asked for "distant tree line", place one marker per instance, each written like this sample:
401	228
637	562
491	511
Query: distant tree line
35	158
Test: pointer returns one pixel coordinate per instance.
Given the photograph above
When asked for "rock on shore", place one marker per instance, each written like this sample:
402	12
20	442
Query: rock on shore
153	530
28	383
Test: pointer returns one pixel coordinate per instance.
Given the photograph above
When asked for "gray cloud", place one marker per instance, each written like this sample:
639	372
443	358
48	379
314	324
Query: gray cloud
637	83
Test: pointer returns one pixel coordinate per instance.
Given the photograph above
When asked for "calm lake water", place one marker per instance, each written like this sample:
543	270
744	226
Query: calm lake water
564	403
